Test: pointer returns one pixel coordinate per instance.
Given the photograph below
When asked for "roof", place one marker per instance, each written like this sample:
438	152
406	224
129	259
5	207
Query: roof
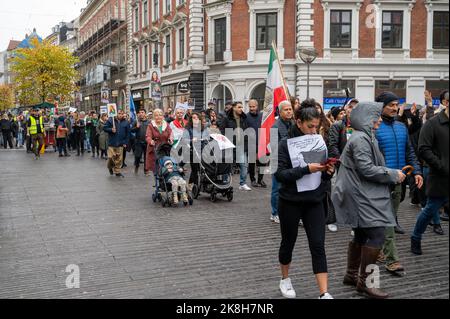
12	45
26	43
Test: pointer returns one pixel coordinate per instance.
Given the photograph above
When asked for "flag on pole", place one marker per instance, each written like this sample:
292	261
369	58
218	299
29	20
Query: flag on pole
133	115
276	92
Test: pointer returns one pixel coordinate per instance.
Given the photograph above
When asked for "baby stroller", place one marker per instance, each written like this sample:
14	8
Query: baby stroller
163	190
214	178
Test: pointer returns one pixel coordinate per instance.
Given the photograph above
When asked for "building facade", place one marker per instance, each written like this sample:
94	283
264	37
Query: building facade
374	46
166	39
102	50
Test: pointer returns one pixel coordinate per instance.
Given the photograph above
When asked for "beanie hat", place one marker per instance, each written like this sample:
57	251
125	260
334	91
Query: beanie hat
386	98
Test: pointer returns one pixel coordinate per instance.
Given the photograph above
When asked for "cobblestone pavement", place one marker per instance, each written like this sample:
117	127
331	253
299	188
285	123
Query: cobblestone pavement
56	212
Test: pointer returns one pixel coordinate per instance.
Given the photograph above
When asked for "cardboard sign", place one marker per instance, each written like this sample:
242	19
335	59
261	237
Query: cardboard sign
103	109
112	110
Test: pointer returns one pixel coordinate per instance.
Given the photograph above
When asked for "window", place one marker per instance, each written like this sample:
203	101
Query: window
155	10
334	92
145	5
181	44
168	50
156	56
266	30
180	2
398	87
136	19
136	61
167	6
220	36
341	29
146	58
440	30
392	29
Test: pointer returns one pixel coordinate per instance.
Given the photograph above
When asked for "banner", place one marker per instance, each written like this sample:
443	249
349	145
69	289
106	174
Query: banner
105	96
112	110
155	85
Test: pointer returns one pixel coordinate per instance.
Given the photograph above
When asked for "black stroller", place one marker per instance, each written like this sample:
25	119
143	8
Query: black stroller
214	178
163	190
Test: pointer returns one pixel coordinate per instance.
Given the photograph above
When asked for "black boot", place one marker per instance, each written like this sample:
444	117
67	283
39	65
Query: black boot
353	262
398	229
416	246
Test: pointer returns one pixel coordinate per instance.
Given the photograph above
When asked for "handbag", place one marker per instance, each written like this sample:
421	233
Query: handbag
329	209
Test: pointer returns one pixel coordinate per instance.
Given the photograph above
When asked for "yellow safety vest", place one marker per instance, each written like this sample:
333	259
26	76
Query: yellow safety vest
33	128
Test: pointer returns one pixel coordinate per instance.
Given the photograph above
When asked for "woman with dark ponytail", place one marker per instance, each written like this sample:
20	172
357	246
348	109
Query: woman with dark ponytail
307	205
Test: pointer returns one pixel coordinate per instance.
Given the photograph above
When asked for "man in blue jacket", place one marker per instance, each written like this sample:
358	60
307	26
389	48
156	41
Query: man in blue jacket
119	135
393	140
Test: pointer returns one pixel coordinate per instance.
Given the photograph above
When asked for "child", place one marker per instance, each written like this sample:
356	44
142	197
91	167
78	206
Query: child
173	174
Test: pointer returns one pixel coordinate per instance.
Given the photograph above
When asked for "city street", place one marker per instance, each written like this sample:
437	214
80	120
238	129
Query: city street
70	211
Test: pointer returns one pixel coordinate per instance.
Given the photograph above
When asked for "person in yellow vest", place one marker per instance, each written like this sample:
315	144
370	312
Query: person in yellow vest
36	131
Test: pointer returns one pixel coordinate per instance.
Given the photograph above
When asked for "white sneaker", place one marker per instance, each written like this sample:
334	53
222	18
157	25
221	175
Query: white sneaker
326	296
245	188
286	289
352	233
332	228
275	219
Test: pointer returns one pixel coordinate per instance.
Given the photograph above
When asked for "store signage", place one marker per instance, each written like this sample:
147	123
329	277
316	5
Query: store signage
184	87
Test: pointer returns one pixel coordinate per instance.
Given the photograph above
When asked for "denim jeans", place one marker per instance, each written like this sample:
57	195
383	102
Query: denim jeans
243	167
436	216
87	145
274	196
427	214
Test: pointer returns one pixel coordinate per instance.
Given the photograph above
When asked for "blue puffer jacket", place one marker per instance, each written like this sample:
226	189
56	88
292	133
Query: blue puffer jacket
393	140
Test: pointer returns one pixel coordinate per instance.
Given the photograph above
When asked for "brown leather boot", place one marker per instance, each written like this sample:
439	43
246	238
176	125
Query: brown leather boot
353	262
369	256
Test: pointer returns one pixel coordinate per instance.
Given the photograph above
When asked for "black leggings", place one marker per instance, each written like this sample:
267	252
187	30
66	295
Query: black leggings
372	237
313	217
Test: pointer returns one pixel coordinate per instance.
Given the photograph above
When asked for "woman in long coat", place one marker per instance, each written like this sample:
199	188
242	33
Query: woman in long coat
102	136
158	132
362	198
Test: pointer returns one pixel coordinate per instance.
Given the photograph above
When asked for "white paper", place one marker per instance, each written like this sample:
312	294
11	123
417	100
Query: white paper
72	109
223	141
304	150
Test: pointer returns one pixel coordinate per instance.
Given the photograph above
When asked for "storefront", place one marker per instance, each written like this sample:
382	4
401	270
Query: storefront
174	93
334	92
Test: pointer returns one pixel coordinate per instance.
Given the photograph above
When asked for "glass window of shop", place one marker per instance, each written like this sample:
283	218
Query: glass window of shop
170	96
334	92
435	87
398	87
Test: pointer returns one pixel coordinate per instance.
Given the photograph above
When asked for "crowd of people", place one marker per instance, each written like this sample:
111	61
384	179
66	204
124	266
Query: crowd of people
379	150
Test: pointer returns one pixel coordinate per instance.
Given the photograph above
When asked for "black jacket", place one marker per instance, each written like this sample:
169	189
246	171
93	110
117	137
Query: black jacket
434	150
288	176
254	121
5	124
337	138
141	131
230	122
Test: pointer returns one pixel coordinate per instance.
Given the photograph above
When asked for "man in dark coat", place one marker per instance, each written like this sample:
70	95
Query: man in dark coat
434	150
254	119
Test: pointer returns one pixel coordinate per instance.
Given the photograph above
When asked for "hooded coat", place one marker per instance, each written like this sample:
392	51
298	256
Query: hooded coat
361	196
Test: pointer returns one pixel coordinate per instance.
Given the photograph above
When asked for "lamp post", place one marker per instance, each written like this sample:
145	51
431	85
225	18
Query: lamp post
307	55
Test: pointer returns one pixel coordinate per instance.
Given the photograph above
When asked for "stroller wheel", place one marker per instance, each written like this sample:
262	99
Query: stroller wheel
195	191
213	197
230	196
160	198
154	198
191	201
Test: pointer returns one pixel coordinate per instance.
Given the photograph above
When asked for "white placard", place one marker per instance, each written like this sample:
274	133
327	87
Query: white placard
223	141
104	109
304	150
72	109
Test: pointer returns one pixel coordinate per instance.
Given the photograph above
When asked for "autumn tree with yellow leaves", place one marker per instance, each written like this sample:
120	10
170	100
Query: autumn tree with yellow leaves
6	97
44	73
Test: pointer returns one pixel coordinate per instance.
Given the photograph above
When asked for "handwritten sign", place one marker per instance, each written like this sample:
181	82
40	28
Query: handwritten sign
305	150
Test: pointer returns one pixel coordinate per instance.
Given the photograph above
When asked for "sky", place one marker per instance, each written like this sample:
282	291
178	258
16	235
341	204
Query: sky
19	17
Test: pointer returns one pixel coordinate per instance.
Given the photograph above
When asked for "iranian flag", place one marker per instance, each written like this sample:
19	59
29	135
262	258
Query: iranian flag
276	92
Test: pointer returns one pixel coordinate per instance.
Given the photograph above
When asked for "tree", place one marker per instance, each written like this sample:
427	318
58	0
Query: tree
6	97
44	72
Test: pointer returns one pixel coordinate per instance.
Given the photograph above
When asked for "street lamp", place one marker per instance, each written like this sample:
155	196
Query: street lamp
307	55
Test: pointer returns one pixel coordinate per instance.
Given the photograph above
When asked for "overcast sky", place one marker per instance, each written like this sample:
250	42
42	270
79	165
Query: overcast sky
19	17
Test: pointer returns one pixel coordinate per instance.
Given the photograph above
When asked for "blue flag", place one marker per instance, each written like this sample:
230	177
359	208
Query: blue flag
132	110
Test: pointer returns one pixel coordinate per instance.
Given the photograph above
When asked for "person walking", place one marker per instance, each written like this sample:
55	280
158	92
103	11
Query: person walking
102	136
36	131
140	146
61	137
6	128
283	124
362	196
394	143
79	134
254	119
434	150
93	134
118	130
306	205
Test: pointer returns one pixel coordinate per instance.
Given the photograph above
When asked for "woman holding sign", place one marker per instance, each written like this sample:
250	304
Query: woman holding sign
301	195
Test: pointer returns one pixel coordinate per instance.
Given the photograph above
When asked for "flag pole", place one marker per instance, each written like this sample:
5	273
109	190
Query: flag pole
286	91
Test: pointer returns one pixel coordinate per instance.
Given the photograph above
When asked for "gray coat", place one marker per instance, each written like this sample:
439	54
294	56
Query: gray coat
103	136
361	196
